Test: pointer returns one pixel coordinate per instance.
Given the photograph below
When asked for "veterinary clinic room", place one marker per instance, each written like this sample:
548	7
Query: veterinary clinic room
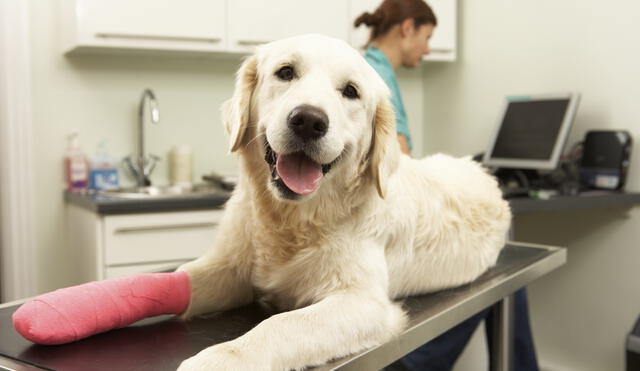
395	185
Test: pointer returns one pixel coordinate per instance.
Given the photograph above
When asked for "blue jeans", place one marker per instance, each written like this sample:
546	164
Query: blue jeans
441	353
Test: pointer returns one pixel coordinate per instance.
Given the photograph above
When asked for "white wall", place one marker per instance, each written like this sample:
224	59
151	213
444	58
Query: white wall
99	95
582	312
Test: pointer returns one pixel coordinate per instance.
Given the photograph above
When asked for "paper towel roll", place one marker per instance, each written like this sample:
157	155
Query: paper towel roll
181	165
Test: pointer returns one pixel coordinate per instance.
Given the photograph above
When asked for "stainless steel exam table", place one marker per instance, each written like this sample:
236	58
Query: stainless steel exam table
161	343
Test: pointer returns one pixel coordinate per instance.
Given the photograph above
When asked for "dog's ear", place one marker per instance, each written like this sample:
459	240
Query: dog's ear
385	149
236	110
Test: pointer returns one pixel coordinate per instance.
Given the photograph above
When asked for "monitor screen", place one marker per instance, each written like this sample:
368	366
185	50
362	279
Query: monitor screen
532	131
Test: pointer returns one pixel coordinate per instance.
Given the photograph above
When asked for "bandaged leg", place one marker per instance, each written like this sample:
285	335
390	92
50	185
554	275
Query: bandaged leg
73	313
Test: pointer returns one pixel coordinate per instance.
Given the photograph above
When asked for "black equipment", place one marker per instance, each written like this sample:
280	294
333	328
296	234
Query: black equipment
633	348
605	159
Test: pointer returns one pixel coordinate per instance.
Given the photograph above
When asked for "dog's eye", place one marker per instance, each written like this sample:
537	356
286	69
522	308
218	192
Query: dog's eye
285	73
349	91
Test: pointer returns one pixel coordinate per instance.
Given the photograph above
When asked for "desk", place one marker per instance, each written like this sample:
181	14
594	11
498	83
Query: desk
161	343
586	200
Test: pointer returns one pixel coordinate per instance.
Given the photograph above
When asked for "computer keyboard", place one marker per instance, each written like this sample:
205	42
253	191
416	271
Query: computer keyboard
512	192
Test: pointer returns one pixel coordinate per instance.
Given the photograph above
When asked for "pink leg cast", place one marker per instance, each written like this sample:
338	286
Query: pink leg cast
73	313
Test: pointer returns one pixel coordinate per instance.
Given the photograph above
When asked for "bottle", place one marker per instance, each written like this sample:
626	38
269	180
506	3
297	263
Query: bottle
104	170
76	164
181	165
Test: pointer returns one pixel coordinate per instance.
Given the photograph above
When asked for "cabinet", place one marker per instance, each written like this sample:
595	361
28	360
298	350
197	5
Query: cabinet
108	246
254	22
187	25
225	26
443	41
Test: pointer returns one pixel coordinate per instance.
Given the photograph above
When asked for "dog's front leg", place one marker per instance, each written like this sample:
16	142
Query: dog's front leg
342	323
221	279
356	314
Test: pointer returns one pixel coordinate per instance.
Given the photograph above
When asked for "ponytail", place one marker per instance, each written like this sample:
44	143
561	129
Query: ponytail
392	12
367	19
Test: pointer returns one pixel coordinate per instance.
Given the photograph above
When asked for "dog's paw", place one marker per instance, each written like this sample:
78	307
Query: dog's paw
221	357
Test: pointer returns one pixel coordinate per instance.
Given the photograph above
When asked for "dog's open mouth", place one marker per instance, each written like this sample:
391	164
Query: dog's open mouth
295	173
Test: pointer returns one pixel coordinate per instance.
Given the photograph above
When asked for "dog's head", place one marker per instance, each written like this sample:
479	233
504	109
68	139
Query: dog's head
318	114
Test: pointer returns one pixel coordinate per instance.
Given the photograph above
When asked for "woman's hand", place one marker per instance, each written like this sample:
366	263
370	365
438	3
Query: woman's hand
404	145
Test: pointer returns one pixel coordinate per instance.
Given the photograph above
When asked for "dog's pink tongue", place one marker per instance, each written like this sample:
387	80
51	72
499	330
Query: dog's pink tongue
300	173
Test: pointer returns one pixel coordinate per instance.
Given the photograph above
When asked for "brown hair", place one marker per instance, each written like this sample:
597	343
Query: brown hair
392	12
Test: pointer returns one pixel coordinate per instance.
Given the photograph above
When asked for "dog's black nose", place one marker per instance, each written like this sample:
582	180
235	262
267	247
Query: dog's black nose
308	122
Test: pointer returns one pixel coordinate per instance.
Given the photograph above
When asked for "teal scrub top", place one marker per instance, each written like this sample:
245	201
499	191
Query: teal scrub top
376	58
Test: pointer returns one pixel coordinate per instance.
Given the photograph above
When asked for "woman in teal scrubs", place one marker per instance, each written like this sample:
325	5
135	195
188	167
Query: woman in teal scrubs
400	33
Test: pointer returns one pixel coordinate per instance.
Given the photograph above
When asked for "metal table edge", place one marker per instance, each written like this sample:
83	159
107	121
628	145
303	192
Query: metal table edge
10	364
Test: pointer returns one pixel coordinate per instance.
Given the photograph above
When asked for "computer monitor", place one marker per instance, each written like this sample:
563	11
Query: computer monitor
532	131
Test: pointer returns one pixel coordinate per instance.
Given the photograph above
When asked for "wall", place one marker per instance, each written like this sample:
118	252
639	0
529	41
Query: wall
582	312
99	95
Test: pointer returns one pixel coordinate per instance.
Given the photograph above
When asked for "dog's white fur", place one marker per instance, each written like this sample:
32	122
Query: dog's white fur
380	226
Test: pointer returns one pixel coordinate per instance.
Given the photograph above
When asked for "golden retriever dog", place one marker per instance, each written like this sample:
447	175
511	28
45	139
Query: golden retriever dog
329	222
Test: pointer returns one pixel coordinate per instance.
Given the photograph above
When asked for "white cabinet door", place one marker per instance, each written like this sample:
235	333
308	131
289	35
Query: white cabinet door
197	25
160	237
252	22
443	42
107	246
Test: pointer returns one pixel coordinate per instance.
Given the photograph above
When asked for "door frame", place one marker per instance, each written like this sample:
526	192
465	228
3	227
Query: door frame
18	253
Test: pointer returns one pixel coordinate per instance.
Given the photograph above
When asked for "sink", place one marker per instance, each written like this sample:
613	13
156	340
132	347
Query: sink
156	192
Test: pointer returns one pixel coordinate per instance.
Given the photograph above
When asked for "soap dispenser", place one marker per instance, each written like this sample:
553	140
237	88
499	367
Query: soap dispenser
75	164
104	170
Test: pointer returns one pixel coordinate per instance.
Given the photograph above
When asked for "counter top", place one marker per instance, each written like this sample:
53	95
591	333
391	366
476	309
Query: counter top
108	206
519	205
584	200
161	343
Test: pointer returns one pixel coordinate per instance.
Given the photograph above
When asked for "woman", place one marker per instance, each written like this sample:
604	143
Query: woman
400	33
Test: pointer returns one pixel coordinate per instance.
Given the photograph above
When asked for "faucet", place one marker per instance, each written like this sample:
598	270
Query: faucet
142	166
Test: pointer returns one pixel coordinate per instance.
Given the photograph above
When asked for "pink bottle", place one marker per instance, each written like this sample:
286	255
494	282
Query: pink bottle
76	165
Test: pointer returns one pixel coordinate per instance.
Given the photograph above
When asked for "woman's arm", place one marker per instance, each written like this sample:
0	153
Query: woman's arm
404	145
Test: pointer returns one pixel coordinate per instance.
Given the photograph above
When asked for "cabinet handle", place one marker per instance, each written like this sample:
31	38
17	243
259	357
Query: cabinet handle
174	227
441	50
252	42
158	37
